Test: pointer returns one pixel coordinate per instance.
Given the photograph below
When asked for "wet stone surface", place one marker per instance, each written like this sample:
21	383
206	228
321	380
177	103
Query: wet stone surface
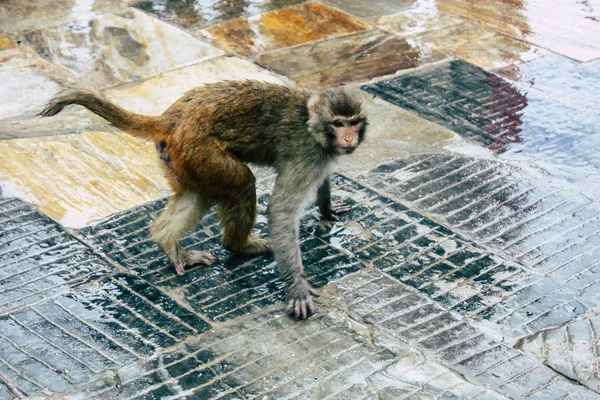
413	278
19	17
570	349
488	109
119	48
560	79
354	58
550	230
462	97
531	21
195	15
281	28
27	82
416	319
38	259
268	355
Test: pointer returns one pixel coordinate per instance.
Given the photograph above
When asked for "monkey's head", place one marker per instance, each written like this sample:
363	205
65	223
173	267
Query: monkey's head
337	120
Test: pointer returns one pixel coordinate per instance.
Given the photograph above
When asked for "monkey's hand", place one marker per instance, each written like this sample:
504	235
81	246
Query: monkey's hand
336	208
301	294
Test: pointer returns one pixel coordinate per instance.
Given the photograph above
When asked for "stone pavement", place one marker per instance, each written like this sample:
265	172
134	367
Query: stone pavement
467	269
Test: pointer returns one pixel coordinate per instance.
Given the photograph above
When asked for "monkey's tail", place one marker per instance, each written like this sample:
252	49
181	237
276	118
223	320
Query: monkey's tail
137	125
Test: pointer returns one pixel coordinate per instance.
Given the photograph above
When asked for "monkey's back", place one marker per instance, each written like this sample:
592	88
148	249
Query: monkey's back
250	119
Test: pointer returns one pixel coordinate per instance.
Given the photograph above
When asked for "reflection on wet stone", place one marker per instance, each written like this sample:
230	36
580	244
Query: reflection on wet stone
194	15
18	17
281	28
370	10
462	97
468	41
27	82
117	48
353	58
534	21
39	259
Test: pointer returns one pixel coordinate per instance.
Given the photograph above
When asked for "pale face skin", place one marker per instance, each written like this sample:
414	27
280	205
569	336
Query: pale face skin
347	133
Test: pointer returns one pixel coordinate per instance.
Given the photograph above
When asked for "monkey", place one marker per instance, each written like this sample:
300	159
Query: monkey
206	141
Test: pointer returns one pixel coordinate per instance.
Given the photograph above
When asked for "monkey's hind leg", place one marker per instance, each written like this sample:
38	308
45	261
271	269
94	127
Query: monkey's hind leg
184	210
237	216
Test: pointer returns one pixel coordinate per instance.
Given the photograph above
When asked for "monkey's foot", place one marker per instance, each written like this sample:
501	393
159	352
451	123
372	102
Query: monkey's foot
257	246
301	303
337	208
193	258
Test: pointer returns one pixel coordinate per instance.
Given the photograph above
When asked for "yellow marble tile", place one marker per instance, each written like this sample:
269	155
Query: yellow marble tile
282	28
78	179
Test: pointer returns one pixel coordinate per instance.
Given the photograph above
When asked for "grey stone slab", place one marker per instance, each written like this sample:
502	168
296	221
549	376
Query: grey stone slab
458	344
117	48
494	112
18	17
270	355
370	11
546	228
192	16
570	349
77	337
38	259
27	83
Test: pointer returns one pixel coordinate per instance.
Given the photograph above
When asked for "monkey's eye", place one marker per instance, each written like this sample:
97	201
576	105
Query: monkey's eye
355	122
337	124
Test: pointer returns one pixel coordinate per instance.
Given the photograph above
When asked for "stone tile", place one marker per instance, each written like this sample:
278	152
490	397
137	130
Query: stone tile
39	259
365	56
459	345
463	98
27	82
281	28
72	120
156	94
560	79
488	109
265	355
570	349
56	345
533	21
370	11
233	286
79	179
481	46
117	48
18	17
465	193
498	51
199	15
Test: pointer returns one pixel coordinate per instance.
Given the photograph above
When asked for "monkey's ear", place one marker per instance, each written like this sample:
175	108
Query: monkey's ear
315	104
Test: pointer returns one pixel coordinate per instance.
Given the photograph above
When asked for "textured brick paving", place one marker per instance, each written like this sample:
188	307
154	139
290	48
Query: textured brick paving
38	259
462	97
451	278
549	230
454	277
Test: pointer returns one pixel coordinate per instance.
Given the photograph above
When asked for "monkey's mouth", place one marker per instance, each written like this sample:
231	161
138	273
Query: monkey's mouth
347	150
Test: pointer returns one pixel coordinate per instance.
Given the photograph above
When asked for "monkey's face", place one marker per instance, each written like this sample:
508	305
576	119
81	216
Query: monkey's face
346	133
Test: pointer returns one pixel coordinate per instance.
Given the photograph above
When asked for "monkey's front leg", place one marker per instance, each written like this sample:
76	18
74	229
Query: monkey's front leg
283	211
330	210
